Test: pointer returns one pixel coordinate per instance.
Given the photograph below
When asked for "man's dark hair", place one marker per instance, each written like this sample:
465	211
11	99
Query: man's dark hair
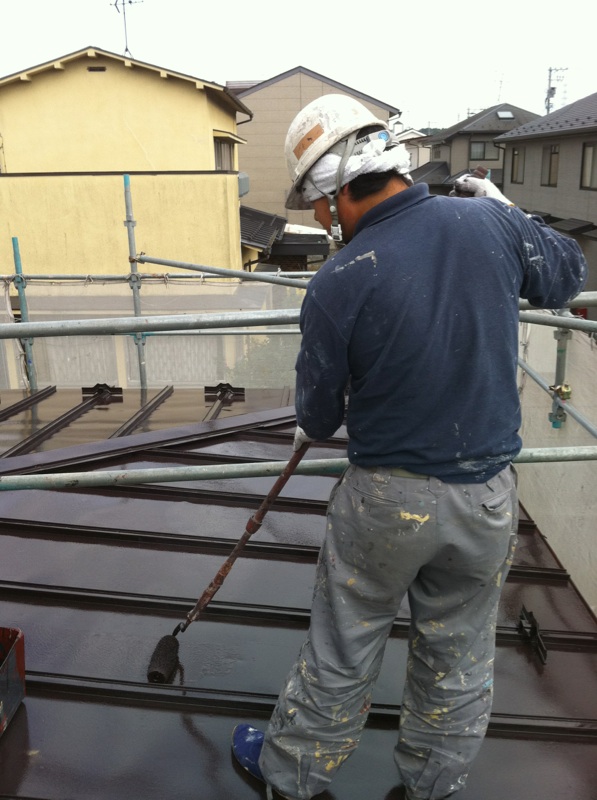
370	183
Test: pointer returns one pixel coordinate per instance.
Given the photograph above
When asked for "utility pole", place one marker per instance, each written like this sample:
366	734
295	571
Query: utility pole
554	74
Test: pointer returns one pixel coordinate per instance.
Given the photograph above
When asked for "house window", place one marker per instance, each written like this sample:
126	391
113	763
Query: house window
484	151
588	174
436	152
517	173
549	165
224	151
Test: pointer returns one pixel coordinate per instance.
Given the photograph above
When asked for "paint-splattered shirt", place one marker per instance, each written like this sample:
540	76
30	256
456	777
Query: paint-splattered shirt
418	318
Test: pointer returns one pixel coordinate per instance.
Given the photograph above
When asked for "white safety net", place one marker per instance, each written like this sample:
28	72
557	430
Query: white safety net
250	357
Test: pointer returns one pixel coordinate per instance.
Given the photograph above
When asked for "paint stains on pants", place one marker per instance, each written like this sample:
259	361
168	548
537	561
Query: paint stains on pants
450	547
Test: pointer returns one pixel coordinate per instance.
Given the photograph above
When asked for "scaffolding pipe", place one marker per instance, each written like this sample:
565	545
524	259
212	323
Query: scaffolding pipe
27	343
556	321
582	300
124	325
161	276
224	272
134	281
183	322
558	411
232	332
574	413
325	466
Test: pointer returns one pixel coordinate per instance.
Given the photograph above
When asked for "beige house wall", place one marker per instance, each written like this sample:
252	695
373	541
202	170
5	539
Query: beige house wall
560	496
566	199
274	107
459	151
73	224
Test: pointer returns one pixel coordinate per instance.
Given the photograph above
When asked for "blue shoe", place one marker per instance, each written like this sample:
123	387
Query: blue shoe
247	742
246	746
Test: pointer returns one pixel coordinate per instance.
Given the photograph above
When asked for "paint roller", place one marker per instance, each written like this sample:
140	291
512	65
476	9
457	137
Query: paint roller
164	660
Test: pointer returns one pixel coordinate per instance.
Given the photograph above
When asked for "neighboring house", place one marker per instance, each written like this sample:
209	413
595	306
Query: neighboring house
413	141
469	144
70	128
268	245
275	103
551	169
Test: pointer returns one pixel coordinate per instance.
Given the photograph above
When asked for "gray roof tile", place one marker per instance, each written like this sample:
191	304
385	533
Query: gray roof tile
578	117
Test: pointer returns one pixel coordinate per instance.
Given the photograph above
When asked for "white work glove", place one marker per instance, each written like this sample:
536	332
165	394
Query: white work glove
470	186
300	438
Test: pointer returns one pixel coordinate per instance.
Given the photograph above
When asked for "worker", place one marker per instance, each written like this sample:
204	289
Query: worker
416	317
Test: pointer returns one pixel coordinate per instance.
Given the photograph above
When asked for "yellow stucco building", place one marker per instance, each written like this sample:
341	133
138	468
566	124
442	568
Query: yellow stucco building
71	128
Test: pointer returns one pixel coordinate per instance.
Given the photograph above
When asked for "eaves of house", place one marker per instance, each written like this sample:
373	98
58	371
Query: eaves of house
94	577
259	229
91	52
579	117
243	91
495	120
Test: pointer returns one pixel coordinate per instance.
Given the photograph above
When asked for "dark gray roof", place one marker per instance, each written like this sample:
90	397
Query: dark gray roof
486	121
259	229
315	244
254	87
578	117
572	225
437	173
433	173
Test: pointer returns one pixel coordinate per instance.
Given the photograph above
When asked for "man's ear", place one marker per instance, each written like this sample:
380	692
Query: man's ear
345	190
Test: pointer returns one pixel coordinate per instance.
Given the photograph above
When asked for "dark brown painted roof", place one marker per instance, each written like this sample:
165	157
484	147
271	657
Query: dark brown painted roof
95	578
486	121
578	117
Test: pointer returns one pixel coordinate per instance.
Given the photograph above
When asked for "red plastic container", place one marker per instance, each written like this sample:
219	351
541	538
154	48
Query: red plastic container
12	673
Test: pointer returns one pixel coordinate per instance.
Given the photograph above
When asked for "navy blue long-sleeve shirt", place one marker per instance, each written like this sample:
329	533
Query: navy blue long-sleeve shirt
418	316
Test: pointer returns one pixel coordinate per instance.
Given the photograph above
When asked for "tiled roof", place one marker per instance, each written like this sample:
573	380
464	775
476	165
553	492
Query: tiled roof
259	229
433	173
572	225
486	121
578	117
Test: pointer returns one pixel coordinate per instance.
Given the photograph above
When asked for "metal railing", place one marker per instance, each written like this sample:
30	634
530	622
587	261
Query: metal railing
141	325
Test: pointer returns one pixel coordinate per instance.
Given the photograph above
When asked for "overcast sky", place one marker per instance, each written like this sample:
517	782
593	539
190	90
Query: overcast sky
436	61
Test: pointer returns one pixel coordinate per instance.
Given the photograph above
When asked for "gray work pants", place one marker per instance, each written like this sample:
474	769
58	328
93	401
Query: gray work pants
450	546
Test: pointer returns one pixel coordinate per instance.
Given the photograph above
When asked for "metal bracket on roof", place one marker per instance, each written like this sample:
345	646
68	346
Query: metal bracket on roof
107	394
231	393
529	628
222	395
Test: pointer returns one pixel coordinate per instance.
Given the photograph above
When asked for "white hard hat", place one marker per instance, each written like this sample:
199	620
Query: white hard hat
318	127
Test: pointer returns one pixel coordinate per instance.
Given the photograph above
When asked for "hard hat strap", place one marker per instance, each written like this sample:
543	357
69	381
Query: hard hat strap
349	146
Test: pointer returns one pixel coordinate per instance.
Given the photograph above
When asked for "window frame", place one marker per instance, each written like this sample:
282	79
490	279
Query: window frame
591	185
517	165
485	144
550	164
224	154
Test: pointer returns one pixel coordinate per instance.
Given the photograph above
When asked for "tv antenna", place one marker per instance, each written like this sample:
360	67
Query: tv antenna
124	4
